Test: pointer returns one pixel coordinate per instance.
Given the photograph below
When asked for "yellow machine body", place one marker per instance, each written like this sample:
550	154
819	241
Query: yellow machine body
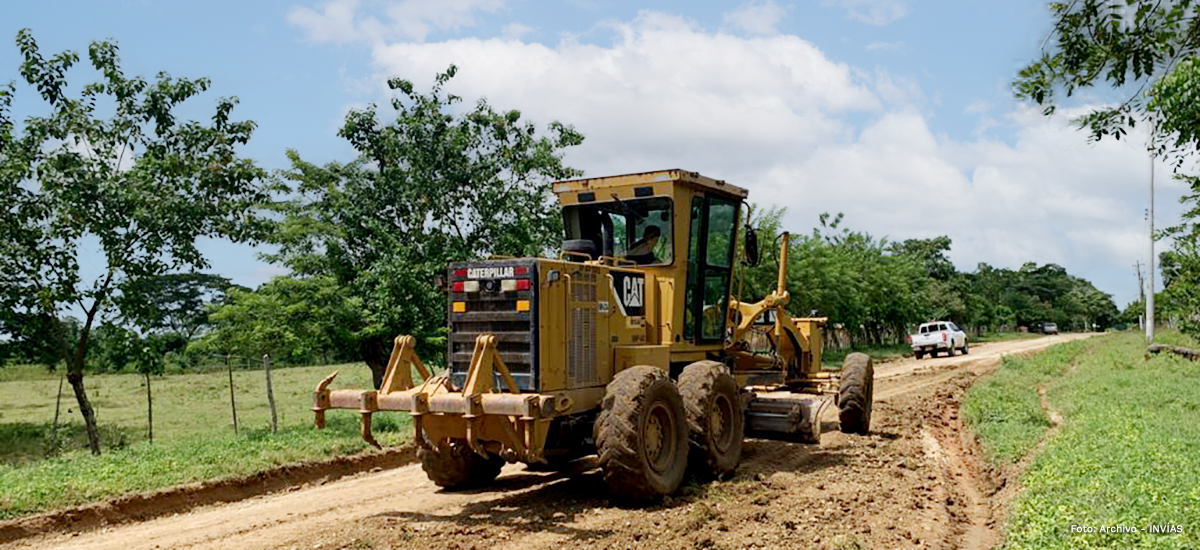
535	341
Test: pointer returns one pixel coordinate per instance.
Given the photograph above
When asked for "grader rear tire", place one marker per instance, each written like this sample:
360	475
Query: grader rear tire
641	435
455	466
856	393
714	417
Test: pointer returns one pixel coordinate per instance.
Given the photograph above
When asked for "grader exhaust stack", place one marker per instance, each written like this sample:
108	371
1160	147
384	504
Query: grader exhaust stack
628	345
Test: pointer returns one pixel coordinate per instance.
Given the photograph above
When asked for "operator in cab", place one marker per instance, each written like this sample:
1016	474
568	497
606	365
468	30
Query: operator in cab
642	251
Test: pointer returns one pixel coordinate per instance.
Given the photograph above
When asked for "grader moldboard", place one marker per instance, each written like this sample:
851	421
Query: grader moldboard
629	346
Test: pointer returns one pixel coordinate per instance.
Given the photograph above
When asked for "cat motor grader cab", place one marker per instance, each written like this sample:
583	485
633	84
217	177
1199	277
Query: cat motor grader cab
629	346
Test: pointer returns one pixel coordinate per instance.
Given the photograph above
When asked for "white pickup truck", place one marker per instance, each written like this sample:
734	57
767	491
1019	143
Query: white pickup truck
938	336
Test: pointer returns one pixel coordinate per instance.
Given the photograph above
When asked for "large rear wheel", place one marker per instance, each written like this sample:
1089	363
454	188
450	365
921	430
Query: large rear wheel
641	435
453	465
714	416
856	393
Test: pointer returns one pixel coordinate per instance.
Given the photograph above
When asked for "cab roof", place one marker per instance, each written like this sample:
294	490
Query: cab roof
644	178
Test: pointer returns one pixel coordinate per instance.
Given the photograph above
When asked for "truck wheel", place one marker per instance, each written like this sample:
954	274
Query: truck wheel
966	347
950	350
855	393
641	435
714	418
920	355
453	465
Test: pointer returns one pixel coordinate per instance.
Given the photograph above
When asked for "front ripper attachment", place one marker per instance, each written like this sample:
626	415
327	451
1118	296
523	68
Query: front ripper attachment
488	421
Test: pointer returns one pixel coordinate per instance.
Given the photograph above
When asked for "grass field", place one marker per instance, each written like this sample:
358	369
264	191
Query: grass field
193	432
1128	453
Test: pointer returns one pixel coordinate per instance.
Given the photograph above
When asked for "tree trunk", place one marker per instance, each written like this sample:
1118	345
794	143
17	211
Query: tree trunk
375	358
75	378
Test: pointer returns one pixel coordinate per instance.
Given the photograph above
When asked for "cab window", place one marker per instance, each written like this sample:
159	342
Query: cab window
638	230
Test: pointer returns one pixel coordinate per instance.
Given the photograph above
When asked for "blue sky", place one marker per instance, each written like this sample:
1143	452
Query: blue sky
898	113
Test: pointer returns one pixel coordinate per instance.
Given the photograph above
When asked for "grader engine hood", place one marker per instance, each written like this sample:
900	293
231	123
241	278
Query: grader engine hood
497	297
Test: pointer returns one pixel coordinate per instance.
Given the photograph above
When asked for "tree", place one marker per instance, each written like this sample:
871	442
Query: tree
430	187
173	303
139	183
293	319
1146	49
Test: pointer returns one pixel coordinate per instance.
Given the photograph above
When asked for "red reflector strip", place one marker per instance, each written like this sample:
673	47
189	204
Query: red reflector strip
522	284
458	286
520	270
460	273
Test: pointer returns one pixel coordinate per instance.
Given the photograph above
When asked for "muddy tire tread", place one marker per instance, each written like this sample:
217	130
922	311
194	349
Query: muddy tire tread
618	441
855	394
454	466
697	385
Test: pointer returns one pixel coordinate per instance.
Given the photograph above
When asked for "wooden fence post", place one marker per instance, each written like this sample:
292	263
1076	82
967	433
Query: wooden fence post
149	410
57	407
232	399
270	393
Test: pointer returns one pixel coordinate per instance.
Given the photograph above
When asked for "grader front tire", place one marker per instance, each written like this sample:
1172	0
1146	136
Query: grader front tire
714	416
454	466
641	435
856	393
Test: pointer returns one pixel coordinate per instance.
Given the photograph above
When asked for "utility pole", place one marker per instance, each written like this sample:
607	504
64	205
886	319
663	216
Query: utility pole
1141	293
1150	266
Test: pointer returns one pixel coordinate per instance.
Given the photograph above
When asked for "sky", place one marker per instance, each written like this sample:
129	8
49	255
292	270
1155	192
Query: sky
897	113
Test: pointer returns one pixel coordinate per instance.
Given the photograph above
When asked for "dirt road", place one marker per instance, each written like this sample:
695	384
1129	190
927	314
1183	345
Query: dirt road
914	482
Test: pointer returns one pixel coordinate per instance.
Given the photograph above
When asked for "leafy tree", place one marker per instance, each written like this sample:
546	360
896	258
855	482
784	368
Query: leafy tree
1143	48
931	253
433	186
293	319
114	166
173	303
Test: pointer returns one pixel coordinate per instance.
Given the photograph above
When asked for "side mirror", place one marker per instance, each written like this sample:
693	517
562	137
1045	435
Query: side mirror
751	258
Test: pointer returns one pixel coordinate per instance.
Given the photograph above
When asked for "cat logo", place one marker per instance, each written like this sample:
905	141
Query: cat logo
634	290
630	291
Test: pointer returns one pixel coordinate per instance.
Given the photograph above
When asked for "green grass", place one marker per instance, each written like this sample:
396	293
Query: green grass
193	433
1128	452
1003	336
1004	409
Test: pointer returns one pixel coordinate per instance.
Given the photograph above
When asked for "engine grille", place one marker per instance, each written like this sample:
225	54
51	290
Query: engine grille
581	355
494	312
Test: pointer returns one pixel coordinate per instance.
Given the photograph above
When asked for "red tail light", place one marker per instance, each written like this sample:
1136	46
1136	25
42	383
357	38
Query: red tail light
943	337
460	273
458	286
522	284
520	270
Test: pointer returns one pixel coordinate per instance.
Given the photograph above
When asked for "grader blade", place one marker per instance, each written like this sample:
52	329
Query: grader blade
786	417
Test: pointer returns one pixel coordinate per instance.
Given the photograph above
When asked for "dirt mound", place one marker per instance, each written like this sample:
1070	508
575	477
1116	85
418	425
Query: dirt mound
142	506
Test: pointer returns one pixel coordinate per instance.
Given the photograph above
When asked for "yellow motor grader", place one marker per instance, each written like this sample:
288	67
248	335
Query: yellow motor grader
628	346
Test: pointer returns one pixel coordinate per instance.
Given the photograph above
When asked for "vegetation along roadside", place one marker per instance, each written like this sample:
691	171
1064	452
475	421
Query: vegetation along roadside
1125	455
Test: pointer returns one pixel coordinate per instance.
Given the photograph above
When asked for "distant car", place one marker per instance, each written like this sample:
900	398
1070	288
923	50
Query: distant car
938	336
1049	328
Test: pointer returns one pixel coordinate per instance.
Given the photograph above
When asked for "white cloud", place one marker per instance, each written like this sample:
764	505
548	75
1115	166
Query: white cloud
339	21
755	18
871	12
775	115
334	23
514	31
